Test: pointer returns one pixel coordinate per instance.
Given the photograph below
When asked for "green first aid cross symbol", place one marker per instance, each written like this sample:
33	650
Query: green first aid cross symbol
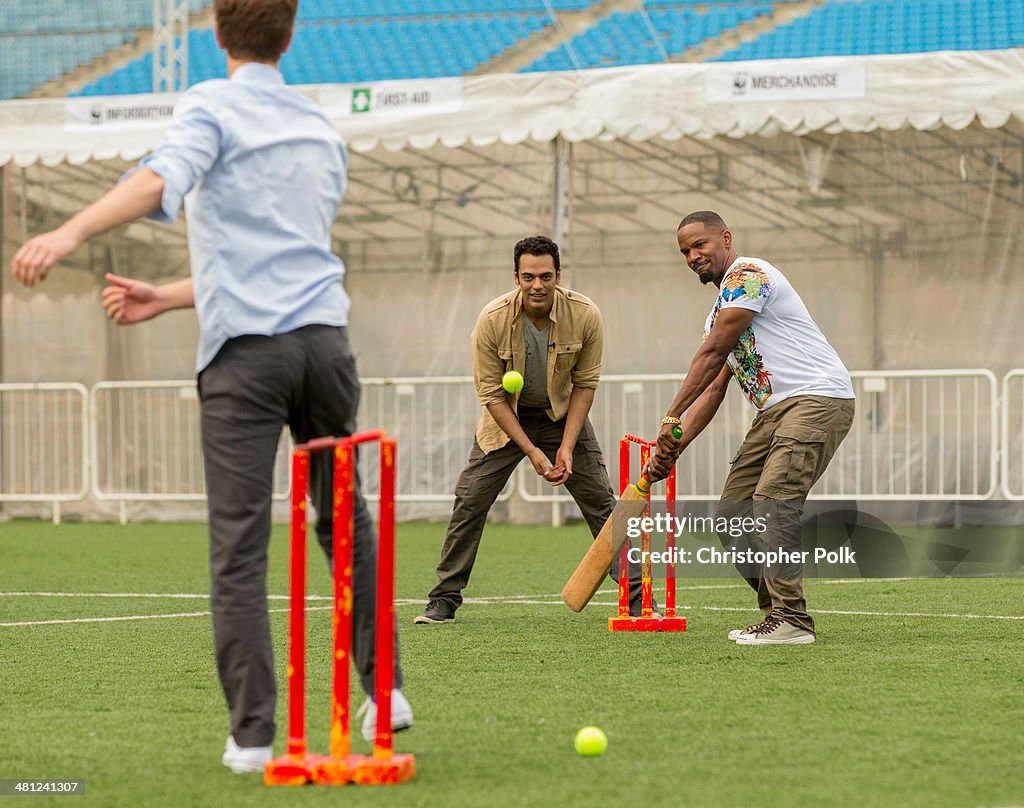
361	99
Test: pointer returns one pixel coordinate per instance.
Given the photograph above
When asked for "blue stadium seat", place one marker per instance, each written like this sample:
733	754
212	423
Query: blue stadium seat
407	47
42	40
892	26
363	40
625	38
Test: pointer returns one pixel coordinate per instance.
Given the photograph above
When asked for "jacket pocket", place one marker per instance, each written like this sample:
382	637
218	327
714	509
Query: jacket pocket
565	356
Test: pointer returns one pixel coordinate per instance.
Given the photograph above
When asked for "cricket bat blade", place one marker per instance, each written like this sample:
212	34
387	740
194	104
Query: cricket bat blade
591	572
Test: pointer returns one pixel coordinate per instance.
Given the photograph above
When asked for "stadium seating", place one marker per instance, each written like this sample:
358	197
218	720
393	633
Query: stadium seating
891	26
365	40
77	16
42	40
355	51
629	39
362	9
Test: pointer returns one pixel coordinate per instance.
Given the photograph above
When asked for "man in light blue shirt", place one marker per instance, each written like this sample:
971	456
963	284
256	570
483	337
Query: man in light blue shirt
262	173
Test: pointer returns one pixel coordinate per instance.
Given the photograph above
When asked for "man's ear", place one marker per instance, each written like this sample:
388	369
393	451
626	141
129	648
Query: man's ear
727	238
216	35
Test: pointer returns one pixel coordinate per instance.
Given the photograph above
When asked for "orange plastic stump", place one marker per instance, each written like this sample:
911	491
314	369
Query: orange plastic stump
296	767
646	621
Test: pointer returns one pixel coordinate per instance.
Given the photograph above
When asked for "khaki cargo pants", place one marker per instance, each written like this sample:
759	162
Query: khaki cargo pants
786	450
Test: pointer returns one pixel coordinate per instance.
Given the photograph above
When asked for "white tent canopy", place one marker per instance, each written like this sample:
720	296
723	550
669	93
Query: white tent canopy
888	189
670	101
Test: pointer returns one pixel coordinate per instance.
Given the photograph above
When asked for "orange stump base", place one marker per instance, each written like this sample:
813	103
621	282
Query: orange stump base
376	771
291	770
647	624
298	770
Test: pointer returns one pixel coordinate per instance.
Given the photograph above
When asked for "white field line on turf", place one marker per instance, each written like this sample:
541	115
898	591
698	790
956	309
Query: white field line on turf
185	596
839	611
132	617
525	600
482	599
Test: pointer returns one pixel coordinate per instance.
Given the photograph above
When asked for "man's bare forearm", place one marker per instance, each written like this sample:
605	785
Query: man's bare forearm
581	399
138	196
505	417
177	294
704	369
701	412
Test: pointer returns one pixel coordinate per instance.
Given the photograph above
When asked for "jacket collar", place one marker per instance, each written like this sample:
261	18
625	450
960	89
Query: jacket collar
517	304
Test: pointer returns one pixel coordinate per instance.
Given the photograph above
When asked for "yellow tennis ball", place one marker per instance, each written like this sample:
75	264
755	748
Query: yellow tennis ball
591	742
512	381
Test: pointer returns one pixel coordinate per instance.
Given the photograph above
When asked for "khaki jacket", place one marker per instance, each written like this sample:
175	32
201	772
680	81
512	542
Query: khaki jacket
498	345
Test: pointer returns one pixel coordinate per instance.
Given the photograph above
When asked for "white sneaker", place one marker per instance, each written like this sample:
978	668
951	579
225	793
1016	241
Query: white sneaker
736	633
776	632
401	714
243	759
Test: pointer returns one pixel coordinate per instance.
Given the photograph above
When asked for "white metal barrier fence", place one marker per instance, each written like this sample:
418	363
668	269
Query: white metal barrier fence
146	443
434	421
918	435
1012	455
43	443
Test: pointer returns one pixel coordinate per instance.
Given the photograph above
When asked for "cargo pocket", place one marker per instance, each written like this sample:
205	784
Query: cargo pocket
792	464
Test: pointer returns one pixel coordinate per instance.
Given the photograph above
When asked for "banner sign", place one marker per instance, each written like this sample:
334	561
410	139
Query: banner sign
392	97
804	80
124	111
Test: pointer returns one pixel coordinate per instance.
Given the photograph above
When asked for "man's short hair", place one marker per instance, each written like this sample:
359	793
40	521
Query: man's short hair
255	29
537	245
708	218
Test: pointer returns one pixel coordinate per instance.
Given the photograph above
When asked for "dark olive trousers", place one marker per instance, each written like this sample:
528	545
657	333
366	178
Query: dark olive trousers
486	474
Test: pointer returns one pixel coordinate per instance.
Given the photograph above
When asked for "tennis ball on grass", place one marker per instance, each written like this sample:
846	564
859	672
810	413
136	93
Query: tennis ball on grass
591	742
512	381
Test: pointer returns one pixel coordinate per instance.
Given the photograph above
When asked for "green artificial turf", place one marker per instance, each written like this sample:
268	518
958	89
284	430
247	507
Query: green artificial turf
903	707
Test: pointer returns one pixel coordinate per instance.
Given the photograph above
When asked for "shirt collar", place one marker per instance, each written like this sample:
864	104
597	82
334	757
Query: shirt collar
517	305
257	72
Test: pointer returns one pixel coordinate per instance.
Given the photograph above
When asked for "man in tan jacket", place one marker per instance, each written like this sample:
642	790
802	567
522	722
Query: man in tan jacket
555	338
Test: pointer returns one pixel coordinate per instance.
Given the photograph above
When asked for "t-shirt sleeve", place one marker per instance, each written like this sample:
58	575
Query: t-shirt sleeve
746	286
191	146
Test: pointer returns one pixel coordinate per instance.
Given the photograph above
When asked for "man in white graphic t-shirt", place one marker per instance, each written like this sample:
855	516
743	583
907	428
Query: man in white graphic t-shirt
760	332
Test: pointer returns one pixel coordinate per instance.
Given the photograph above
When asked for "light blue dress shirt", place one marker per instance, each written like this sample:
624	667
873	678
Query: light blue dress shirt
262	173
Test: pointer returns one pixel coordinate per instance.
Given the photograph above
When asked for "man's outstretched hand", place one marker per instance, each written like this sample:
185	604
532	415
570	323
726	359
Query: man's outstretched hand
127	302
37	256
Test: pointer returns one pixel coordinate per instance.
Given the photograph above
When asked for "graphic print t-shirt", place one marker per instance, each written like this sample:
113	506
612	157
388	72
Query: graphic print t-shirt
782	353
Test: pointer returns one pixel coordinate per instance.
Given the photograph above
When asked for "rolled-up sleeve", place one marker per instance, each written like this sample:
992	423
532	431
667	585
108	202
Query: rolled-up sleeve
191	146
488	367
587	371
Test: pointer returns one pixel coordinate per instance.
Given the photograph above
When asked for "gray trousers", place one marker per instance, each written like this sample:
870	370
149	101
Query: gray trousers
786	450
486	474
305	379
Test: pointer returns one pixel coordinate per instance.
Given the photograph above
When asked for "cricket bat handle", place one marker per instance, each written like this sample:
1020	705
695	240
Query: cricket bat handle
643	485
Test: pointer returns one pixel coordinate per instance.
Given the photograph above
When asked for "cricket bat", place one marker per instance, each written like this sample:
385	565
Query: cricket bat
591	572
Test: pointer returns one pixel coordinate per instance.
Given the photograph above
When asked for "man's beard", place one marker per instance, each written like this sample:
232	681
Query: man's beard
706	277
